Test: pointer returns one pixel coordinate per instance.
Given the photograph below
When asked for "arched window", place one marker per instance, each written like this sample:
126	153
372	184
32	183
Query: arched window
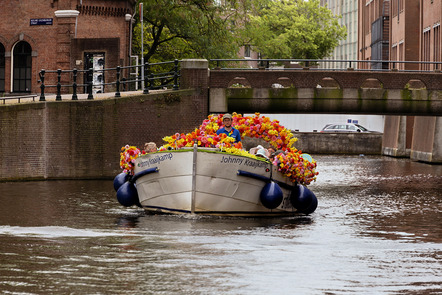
22	67
2	68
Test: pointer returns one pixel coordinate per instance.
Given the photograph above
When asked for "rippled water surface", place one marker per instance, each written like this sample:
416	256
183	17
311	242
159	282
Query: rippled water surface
377	230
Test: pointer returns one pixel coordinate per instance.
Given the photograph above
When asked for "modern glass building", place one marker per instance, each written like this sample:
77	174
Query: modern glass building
348	48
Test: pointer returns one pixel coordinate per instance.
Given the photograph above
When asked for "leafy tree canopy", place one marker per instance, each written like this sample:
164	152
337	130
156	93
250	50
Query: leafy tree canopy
299	29
175	29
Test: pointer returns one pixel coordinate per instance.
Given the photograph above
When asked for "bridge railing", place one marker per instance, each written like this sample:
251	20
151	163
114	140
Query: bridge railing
325	64
156	76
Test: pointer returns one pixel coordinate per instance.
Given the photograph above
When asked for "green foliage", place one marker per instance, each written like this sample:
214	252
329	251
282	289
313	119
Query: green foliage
176	29
295	29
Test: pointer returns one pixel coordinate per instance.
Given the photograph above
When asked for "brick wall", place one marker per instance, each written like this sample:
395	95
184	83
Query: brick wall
52	45
82	139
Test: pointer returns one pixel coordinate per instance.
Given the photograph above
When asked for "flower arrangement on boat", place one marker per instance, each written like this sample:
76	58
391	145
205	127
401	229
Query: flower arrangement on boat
290	162
127	158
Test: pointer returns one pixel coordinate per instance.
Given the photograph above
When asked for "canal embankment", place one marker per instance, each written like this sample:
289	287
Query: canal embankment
328	143
354	143
82	139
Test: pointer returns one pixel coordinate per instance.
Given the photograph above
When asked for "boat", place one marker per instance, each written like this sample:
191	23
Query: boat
211	181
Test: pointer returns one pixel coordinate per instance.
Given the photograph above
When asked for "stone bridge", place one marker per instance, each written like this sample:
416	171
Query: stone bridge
304	90
326	91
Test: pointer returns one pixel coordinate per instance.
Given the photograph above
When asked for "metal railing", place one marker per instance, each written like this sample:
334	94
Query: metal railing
18	97
159	79
318	64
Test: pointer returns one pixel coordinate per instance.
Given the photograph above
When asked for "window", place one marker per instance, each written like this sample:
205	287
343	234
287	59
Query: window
436	47
2	68
401	55
393	56
426	48
22	67
394	8
247	51
366	19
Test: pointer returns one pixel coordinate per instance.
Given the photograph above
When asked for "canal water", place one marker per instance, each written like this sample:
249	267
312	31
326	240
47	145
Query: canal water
377	230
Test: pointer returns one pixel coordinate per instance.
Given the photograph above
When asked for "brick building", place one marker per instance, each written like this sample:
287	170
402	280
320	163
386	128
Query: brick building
61	34
413	34
400	30
430	33
373	36
404	40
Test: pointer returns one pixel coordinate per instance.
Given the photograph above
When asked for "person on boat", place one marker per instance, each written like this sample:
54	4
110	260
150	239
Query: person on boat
150	147
229	129
262	153
271	150
254	151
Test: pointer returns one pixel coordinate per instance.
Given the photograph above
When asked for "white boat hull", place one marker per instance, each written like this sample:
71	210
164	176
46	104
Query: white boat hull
207	182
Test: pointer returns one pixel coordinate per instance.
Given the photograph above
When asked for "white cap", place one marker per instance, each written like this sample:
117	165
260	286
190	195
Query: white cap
262	152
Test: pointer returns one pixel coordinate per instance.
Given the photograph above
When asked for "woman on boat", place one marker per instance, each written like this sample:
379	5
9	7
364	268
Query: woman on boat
150	147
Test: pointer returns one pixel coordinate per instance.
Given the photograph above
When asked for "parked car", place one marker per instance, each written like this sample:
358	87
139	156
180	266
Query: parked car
346	127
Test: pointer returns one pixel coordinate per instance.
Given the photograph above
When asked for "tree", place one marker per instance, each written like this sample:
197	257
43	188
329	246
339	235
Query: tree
189	29
295	29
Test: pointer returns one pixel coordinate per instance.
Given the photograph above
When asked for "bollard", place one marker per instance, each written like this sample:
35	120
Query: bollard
74	85
124	84
42	86
90	74
117	94
58	97
146	78
175	75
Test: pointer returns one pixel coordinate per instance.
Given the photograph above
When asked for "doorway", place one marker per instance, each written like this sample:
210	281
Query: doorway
94	60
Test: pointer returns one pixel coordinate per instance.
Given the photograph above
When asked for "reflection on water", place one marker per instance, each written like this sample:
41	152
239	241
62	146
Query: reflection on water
377	230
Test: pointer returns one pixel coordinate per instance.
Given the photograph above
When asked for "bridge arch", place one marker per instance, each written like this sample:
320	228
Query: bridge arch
415	84
239	82
328	82
371	83
282	82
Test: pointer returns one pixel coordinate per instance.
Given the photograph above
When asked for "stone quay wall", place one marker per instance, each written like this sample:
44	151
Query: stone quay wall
329	143
82	139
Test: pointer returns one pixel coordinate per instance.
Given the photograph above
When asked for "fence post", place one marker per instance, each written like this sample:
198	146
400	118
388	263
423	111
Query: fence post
42	86
175	75
58	97
117	94
74	85
123	81
90	74
146	78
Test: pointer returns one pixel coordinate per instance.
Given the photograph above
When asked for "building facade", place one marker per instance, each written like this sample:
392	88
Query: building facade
404	40
399	30
430	49
61	34
373	36
348	48
413	42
